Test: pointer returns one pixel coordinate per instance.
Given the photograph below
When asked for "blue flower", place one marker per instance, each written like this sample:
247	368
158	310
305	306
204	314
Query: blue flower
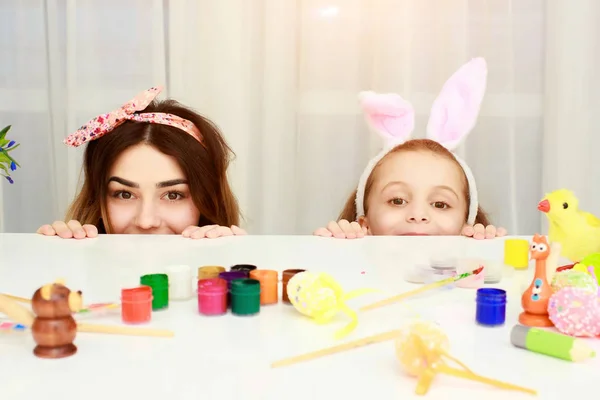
10	144
9	179
13	166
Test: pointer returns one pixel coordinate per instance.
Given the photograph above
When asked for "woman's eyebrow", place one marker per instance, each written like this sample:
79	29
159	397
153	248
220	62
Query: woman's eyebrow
164	184
171	182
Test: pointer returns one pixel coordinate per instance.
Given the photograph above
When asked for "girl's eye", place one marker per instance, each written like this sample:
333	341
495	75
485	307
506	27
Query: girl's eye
398	202
441	205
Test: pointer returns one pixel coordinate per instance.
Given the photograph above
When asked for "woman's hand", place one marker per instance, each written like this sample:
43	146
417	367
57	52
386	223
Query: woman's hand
478	231
342	230
212	231
69	230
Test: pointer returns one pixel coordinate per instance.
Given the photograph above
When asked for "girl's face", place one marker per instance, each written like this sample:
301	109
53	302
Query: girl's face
416	193
148	194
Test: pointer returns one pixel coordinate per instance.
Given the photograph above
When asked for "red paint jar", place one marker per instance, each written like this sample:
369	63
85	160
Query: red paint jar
136	305
212	296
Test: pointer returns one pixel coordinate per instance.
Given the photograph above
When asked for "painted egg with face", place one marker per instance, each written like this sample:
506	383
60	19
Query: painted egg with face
315	295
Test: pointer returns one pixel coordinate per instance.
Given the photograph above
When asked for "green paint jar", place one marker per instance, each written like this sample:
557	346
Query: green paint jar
245	296
160	289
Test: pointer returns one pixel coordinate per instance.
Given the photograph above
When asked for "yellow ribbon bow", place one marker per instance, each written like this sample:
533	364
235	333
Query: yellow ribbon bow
319	296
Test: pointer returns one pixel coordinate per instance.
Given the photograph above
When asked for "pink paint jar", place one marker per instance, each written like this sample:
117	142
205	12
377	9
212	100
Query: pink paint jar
136	305
212	296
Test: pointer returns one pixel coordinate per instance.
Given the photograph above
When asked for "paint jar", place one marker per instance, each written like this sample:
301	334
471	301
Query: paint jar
245	297
230	276
247	268
269	283
516	253
180	282
209	271
136	305
212	296
285	277
160	290
491	306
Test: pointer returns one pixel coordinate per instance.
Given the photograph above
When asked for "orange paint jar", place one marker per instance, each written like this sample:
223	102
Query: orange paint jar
136	305
269	283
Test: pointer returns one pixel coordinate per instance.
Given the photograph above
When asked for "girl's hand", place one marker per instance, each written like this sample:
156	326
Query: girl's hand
342	230
212	231
70	230
482	232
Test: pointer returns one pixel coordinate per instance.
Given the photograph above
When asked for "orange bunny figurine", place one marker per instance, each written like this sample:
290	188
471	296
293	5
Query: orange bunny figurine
535	299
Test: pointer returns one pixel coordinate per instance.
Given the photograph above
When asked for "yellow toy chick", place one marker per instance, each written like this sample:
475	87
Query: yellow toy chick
577	231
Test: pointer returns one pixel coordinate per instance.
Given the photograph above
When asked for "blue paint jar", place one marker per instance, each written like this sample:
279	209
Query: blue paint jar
491	306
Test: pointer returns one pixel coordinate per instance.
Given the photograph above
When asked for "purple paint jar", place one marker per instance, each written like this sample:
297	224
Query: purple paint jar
229	276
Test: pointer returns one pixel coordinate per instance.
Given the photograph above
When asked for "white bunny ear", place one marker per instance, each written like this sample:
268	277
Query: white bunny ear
389	115
455	110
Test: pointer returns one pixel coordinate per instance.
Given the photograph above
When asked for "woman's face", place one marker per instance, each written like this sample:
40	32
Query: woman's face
148	193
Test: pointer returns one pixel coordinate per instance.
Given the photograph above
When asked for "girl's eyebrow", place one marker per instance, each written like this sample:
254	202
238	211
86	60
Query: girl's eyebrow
447	188
163	184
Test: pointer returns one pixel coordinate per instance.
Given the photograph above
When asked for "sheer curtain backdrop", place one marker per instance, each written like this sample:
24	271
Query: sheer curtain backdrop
281	79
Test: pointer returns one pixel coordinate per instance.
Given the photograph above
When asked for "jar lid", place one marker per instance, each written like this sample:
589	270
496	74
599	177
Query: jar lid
231	275
154	279
212	285
266	274
243	267
179	271
442	263
245	286
137	293
210	269
288	273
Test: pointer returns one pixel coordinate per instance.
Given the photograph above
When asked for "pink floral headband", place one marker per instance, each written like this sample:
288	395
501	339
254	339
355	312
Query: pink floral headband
105	123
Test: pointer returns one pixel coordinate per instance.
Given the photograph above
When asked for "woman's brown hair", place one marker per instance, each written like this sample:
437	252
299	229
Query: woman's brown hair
349	210
204	164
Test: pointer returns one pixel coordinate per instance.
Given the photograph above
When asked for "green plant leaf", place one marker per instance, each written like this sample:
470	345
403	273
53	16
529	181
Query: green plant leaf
4	131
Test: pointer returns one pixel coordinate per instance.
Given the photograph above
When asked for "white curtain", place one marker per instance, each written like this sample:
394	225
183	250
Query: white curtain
281	78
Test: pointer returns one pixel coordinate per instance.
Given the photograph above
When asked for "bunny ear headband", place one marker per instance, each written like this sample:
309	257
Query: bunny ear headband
105	123
453	115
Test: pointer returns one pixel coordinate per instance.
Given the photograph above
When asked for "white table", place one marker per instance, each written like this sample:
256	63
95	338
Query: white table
229	357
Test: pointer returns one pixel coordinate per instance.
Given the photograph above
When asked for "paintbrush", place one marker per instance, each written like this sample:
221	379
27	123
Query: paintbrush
444	282
25	317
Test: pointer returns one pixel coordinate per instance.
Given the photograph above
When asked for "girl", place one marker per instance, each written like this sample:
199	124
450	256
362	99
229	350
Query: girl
151	167
419	187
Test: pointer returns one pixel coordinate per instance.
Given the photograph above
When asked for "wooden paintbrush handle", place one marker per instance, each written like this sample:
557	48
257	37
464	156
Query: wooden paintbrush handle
16	312
382	337
478	378
123	330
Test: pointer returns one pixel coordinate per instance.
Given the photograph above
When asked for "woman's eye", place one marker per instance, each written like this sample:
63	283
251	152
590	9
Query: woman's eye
440	204
174	196
398	202
123	195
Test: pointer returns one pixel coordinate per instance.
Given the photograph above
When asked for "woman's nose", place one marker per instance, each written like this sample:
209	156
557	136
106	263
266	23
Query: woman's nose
147	217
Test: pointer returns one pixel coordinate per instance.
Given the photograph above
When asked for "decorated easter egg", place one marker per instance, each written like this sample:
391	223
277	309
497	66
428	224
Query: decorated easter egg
575	312
315	295
574	278
416	339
